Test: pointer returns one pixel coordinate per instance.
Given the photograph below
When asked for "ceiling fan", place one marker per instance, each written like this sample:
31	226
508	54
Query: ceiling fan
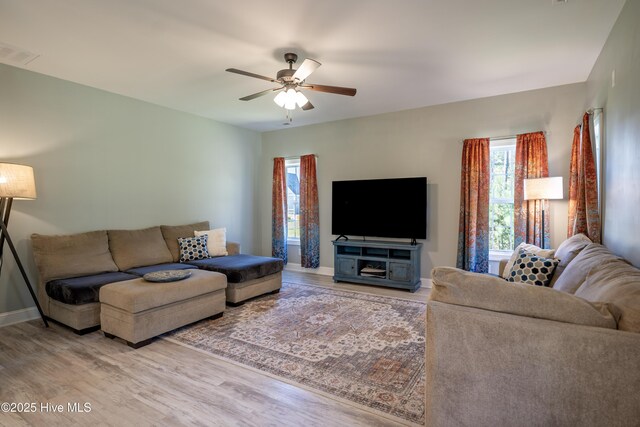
292	82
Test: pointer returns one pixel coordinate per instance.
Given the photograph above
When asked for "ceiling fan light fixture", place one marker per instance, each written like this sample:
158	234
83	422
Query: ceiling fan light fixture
290	100
280	99
301	100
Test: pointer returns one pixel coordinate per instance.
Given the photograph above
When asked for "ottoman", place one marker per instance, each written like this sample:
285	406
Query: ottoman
137	310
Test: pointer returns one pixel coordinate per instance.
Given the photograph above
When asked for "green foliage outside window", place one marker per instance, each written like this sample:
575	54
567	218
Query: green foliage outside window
501	198
293	226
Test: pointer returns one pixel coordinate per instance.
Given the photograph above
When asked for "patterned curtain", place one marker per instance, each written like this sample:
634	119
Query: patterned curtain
584	216
531	162
573	185
473	234
309	213
279	211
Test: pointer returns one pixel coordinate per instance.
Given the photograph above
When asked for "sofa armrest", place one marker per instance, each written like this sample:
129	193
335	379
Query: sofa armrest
486	368
233	248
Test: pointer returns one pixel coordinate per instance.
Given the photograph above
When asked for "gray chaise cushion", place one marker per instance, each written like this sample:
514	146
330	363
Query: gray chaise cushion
170	233
85	289
141	271
240	268
138	248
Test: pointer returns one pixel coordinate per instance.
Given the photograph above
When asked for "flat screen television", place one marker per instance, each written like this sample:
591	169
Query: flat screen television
395	208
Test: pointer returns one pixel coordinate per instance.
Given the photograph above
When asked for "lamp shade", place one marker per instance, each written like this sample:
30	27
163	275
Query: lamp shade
543	188
16	181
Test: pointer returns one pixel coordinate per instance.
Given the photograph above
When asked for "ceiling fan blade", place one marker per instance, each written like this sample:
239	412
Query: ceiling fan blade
259	94
308	106
246	73
330	89
307	67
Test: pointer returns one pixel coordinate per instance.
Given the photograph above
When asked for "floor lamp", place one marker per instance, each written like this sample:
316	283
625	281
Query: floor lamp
543	189
16	182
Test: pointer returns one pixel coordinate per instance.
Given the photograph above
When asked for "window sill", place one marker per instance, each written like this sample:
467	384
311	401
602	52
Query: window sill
499	255
293	242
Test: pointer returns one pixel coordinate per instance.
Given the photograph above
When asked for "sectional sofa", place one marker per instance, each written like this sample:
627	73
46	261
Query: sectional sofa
75	271
501	353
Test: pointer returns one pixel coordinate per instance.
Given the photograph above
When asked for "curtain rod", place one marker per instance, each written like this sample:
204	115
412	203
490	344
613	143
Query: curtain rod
498	138
294	157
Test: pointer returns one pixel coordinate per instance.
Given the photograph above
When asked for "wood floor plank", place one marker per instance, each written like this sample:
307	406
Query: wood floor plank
161	384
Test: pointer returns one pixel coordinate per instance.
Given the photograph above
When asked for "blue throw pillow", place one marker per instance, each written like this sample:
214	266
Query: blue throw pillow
193	248
532	269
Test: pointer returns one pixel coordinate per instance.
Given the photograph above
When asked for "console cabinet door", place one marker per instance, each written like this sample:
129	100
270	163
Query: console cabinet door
400	271
346	266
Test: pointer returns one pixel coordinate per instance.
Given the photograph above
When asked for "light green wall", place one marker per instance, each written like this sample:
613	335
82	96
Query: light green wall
107	161
622	131
424	142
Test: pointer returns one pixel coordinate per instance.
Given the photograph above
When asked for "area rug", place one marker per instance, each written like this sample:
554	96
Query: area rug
361	348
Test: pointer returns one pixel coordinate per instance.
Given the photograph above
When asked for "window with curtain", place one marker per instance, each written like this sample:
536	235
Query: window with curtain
501	190
292	167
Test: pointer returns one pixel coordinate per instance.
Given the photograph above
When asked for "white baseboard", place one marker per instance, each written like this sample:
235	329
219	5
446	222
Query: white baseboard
426	283
328	271
18	316
323	271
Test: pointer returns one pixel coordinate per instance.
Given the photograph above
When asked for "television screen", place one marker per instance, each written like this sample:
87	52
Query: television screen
394	208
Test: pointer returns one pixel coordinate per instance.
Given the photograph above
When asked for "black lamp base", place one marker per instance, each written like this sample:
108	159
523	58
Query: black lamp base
5	204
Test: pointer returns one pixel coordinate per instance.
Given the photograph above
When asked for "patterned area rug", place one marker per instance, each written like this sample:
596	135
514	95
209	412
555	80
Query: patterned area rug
362	348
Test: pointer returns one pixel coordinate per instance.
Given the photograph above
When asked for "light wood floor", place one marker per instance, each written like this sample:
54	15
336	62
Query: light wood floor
160	384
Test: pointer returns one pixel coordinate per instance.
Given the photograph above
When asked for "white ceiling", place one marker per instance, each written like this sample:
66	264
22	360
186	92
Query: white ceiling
399	54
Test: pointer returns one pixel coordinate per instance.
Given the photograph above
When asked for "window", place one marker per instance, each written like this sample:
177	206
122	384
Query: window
501	190
597	152
292	168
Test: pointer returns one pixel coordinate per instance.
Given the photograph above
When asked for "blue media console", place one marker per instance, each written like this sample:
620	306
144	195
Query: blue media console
392	264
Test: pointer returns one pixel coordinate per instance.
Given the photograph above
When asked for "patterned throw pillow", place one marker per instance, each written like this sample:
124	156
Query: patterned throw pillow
532	249
193	248
532	269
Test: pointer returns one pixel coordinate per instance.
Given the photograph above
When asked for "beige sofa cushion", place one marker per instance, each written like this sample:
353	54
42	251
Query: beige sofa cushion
138	248
135	296
566	252
170	233
576	272
618	283
60	257
459	287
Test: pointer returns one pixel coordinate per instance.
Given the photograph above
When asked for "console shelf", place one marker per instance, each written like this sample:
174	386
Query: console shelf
392	264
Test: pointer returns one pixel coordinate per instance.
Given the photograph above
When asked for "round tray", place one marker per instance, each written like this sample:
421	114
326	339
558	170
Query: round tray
167	275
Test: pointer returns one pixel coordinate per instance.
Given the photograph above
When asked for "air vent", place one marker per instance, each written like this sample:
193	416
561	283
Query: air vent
13	55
